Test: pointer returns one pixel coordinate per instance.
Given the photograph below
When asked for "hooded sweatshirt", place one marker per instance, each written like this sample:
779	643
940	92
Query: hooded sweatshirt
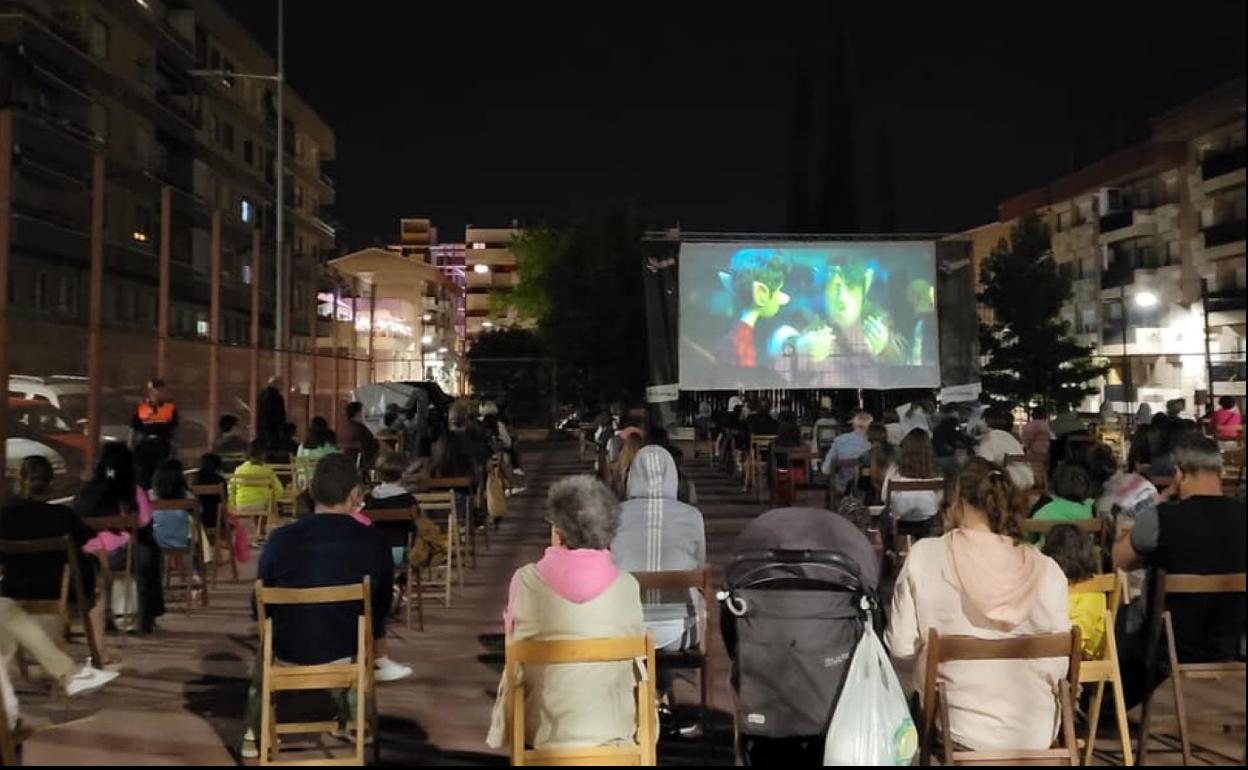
976	583
659	533
572	594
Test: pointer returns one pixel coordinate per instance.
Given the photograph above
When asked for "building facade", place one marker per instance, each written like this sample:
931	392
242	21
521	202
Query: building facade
490	270
124	79
1153	239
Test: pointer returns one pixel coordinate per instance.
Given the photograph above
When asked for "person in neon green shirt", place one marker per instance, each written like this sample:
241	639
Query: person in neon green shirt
254	468
1072	497
1076	554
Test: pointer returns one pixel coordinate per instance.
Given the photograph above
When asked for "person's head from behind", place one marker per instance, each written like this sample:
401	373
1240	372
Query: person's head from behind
916	460
789	433
1102	463
999	418
1072	482
1197	467
275	382
877	434
156	390
984	497
1039	413
457	417
115	467
319	423
862	421
764	406
390	467
1073	551
169	481
582	513
209	465
890	416
335	485
355	412
317	434
227	424
855	512
1175	406
1226	402
34	479
257	452
289	430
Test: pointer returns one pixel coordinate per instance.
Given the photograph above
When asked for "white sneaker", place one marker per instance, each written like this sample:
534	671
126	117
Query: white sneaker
518	471
87	679
387	670
519	490
249	749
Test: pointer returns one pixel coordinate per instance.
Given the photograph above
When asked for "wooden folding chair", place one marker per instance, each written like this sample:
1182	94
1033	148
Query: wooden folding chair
1161	624
460	486
278	677
304	470
128	524
701	580
1104	669
285	472
219	536
185	557
11	739
263	516
756	464
434	505
406	575
231	460
71	581
946	649
632	650
1099	527
833	493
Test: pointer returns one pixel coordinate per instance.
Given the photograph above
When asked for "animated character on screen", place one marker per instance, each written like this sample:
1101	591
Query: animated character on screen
854	310
754	280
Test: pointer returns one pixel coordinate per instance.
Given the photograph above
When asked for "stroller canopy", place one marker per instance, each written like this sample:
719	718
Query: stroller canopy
810	529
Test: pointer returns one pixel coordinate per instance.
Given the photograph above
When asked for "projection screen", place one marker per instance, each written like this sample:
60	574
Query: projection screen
846	314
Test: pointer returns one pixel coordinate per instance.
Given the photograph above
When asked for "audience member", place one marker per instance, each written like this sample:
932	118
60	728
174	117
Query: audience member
1072	496
1076	554
230	438
318	441
210	474
1201	533
253	495
762	422
1066	423
574	592
1037	434
114	491
878	460
173	528
388	495
329	548
916	417
950	443
914	511
847	446
978	579
359	444
998	442
1226	420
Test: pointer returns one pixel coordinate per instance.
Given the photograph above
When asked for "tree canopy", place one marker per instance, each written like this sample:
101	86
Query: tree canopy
1031	357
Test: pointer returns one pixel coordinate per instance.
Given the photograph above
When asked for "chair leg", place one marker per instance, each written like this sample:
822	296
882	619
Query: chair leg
1094	720
420	599
1120	712
704	680
1176	679
1068	721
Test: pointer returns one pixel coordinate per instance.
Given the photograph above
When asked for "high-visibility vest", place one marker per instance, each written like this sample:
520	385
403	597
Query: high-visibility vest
162	414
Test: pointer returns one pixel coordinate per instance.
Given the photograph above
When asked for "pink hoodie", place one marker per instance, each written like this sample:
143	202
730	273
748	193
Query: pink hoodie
578	575
998	577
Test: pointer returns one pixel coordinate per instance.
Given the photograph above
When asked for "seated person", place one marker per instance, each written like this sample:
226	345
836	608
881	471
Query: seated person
1072	497
997	442
1200	533
256	468
949	441
1226	422
762	422
847	446
329	548
976	580
1077	555
1037	434
914	512
230	441
388	495
574	592
171	527
30	516
879	458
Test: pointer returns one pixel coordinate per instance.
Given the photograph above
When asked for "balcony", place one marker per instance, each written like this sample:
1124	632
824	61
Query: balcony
493	257
1222	163
1132	223
1224	233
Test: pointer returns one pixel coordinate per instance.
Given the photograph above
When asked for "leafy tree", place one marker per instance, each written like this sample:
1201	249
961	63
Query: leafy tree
1030	356
535	249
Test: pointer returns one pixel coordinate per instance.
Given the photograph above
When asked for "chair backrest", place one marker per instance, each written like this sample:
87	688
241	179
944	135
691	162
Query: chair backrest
267	596
209	490
824	436
434	484
1112	585
188	504
700	579
405	515
629	649
46	546
761	442
124	521
1230	583
1095	525
915	485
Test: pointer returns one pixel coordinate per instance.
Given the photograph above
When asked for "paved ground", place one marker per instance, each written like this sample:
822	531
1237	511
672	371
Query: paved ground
181	697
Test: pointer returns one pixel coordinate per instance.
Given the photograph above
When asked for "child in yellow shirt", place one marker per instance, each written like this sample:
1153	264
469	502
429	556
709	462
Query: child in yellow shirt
1076	554
254	469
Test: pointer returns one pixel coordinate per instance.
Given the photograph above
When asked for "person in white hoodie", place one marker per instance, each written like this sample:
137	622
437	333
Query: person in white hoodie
979	579
660	533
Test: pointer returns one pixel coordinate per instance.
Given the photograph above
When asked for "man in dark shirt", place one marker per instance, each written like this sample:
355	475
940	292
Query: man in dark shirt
329	548
762	423
359	444
1203	533
270	412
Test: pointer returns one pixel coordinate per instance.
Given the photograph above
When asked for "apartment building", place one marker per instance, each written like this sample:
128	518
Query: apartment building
1153	238
451	259
122	78
490	269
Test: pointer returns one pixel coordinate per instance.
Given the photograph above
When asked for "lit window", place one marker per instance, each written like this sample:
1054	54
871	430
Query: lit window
247	274
480	269
201	328
245	211
478	245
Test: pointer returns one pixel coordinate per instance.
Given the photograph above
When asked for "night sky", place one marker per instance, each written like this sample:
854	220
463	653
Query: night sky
475	113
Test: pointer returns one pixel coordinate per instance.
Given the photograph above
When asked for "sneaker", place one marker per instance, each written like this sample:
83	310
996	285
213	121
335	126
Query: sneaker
249	749
387	670
519	490
88	679
518	471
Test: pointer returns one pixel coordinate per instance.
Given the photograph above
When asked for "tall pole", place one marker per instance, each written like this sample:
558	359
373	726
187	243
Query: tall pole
162	296
6	201
95	302
214	320
254	335
279	284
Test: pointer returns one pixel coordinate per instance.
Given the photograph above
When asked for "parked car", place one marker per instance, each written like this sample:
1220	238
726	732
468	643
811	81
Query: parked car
37	427
67	393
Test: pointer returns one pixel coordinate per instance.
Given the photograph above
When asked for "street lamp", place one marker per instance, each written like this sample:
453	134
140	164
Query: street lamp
279	307
1145	300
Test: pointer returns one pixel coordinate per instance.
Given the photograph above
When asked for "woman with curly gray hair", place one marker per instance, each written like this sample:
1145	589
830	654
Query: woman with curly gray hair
574	592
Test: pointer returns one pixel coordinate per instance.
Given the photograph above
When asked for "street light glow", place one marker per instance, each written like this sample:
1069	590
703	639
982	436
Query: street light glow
487	324
427	339
1145	299
480	269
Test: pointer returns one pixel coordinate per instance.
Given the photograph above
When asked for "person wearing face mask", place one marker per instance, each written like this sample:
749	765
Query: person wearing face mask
336	546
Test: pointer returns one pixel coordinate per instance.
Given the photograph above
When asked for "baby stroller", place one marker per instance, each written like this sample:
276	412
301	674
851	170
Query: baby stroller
791	615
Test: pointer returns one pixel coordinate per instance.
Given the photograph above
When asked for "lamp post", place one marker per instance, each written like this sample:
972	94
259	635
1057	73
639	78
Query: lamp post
279	272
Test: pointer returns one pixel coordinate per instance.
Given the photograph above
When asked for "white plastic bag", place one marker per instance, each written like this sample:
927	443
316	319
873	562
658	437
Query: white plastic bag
871	725
125	602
